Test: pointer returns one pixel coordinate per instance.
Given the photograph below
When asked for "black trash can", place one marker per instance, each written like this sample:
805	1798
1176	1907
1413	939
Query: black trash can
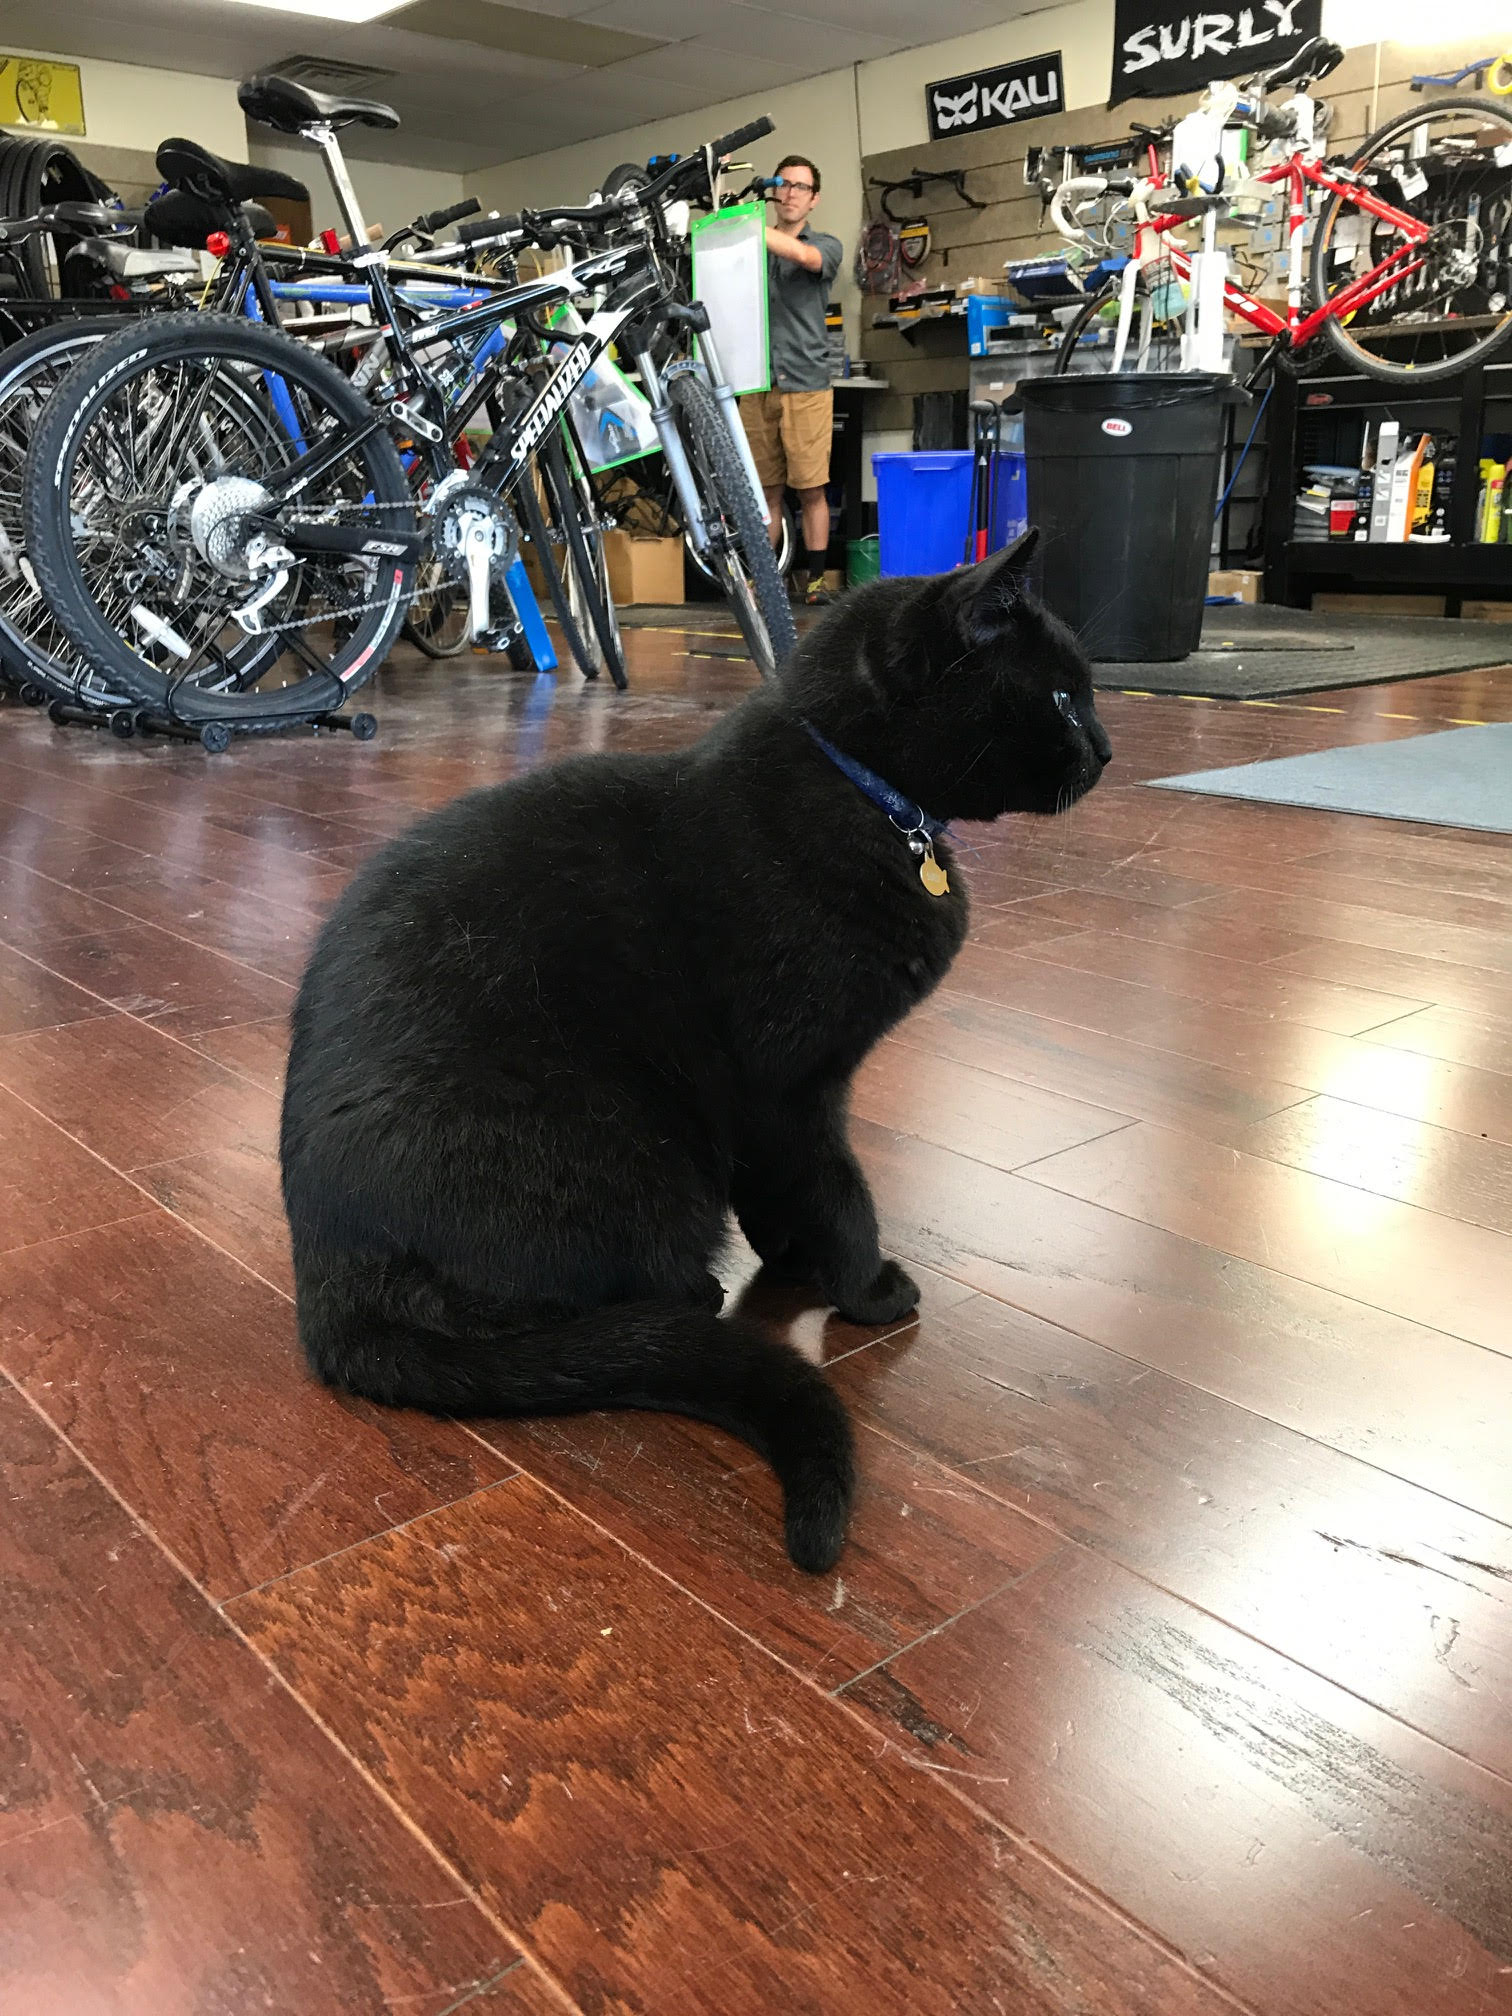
1123	485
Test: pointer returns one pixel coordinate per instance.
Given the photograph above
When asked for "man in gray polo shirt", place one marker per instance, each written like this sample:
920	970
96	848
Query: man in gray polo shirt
790	426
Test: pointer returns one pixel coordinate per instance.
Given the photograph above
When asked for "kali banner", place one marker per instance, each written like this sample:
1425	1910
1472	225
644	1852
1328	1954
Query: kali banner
1162	48
1001	96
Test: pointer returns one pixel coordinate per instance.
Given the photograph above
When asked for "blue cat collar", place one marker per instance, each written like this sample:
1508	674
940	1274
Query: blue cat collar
908	817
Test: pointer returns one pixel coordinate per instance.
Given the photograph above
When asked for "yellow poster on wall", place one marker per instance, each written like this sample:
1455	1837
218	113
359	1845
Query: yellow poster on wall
41	96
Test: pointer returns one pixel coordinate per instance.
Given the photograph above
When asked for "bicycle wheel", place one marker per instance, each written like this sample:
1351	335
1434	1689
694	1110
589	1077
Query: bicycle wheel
33	647
739	549
159	537
1449	166
438	621
527	503
1076	356
643	498
575	530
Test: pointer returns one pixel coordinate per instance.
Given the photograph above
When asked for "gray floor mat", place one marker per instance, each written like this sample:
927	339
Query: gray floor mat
1462	777
1251	652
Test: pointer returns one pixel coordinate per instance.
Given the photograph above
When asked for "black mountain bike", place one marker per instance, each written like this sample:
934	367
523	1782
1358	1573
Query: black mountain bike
208	502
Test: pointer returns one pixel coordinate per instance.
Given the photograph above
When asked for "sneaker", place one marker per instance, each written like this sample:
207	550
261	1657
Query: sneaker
817	595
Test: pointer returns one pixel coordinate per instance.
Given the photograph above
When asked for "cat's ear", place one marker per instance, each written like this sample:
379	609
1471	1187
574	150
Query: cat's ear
980	598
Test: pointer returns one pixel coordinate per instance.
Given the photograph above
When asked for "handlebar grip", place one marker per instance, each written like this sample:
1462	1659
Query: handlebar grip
742	137
437	220
492	226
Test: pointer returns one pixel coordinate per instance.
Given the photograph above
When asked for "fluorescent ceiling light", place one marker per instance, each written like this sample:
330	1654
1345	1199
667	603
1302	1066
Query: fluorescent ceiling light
345	11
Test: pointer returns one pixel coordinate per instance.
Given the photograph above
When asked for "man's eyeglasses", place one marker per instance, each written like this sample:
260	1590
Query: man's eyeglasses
787	182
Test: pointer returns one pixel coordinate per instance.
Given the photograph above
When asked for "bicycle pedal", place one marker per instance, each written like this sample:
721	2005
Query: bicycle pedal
497	639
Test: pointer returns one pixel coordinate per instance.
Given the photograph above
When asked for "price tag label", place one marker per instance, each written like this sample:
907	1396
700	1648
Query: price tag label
1412	182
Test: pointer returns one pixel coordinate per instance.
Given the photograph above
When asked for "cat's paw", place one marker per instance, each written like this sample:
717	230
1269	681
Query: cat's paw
889	1298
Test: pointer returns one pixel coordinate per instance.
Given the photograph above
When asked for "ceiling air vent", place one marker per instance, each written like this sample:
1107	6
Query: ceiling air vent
324	73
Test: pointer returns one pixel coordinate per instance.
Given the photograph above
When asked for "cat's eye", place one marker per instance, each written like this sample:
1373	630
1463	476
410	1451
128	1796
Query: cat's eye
1066	706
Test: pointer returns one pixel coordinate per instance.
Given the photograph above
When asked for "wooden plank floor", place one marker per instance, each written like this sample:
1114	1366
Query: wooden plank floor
1169	1669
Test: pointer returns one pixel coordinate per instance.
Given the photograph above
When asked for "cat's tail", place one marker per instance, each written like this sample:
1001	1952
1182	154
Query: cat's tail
650	1355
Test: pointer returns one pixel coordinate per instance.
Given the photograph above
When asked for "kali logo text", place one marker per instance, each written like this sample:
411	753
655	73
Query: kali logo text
1003	101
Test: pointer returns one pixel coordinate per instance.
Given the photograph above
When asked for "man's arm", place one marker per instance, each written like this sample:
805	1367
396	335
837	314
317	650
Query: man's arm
797	250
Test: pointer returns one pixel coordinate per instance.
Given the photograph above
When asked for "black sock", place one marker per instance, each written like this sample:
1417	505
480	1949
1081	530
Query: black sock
815	560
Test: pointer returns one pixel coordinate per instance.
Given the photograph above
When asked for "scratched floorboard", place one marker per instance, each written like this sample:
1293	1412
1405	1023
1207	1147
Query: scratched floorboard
1167	1670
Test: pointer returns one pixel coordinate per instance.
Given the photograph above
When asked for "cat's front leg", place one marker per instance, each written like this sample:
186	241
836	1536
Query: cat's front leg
803	1204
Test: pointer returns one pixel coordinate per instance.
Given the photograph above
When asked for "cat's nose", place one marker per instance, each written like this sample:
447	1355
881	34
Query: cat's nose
1102	748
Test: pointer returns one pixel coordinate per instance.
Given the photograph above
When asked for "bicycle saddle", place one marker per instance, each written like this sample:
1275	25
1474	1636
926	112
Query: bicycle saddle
1189	206
198	172
1313	60
182	219
289	107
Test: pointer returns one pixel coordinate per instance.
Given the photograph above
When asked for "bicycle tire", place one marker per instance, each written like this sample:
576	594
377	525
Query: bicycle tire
261	353
528	506
1335	334
1074	330
430	622
751	583
590	572
33	648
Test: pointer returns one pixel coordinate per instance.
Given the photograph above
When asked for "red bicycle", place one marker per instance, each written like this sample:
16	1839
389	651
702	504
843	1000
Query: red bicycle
1409	268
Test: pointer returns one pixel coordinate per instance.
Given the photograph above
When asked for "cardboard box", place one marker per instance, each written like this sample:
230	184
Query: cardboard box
642	569
1235	581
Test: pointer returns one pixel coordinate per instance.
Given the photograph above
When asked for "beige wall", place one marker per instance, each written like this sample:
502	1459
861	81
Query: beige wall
389	195
127	106
890	89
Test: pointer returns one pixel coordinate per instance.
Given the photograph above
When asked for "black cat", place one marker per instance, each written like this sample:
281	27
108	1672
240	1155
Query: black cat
551	1036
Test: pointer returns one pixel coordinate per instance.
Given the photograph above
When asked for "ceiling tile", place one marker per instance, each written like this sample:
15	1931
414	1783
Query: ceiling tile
715	74
760	31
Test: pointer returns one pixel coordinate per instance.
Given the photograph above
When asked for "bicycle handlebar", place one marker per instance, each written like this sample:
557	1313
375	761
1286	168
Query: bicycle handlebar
1314	60
741	137
1079	189
533	224
493	225
437	220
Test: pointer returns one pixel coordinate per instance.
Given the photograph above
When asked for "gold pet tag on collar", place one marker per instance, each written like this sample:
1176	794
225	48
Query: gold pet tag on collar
931	874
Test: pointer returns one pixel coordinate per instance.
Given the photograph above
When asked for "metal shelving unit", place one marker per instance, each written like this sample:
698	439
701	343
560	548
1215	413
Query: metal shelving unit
1477	403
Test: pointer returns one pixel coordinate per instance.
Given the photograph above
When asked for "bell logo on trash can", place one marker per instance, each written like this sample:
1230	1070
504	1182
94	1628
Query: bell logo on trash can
1118	428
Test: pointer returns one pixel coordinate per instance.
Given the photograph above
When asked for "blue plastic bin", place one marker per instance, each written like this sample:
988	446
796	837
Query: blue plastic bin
923	504
1010	507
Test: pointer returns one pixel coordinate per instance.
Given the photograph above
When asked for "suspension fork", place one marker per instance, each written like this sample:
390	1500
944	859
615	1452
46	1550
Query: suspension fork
730	407
673	452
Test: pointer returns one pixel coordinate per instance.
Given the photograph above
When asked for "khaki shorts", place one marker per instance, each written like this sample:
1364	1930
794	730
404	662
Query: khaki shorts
789	433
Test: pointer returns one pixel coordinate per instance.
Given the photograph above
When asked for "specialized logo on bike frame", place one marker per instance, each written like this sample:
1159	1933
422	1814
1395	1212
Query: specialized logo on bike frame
1003	96
575	366
1162	47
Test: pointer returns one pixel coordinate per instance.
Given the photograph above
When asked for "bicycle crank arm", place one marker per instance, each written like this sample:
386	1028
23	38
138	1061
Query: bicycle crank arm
479	556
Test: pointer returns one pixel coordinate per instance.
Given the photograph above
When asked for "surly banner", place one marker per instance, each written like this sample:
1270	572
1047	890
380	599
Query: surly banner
998	97
1162	48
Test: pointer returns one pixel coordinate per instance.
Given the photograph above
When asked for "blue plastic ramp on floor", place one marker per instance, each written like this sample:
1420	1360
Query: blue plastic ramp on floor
517	581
